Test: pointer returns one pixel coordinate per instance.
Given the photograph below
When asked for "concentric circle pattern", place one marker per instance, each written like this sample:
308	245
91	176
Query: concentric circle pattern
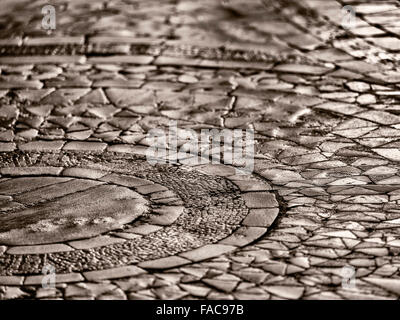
95	211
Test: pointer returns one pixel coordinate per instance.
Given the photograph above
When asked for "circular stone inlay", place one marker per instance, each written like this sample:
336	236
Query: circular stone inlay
194	212
39	210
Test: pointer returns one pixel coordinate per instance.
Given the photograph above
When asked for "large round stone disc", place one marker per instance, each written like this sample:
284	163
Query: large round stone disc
54	209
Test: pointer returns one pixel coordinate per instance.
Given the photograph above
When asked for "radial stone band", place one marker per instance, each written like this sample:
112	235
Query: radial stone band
82	212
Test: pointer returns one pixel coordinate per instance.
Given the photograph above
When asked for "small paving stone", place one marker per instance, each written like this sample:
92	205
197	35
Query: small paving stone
170	293
246	186
145	229
87	291
166	215
388	284
54	40
94	242
47	293
244	235
42	59
59	278
116	294
42	145
358	86
85	146
148	189
305	69
127	149
114	273
11	280
164	263
260	217
223	285
196	290
207	251
286	292
122	59
83	173
6	147
48	248
21	171
260	200
34	84
10	292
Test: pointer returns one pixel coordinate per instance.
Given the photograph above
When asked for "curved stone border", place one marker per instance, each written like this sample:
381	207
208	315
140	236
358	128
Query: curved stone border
142	52
262	205
166	215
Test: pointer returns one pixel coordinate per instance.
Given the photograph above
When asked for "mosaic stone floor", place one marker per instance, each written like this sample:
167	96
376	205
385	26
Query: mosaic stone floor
77	103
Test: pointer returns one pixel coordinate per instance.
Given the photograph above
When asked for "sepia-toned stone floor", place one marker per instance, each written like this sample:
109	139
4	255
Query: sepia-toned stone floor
77	103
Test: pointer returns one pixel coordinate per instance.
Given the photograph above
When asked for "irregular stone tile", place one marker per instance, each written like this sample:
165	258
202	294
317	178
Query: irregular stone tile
9	292
302	69
207	251
260	217
244	235
121	59
166	215
195	290
114	273
343	108
380	117
94	242
170	293
87	290
260	200
11	280
85	146
286	292
392	285
223	285
41	145
40	249
83	173
59	278
164	263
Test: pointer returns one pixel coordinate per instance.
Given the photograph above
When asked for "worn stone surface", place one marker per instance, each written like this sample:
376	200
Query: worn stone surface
322	101
69	218
67	209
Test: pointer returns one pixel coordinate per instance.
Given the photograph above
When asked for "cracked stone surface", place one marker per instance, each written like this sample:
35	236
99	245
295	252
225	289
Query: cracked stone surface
63	209
77	102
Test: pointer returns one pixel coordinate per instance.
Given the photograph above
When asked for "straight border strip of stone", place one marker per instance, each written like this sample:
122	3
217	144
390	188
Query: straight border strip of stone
127	59
59	278
39	249
42	59
199	62
113	273
12	280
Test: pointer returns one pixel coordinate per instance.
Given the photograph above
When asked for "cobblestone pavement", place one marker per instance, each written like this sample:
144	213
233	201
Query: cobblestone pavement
76	192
